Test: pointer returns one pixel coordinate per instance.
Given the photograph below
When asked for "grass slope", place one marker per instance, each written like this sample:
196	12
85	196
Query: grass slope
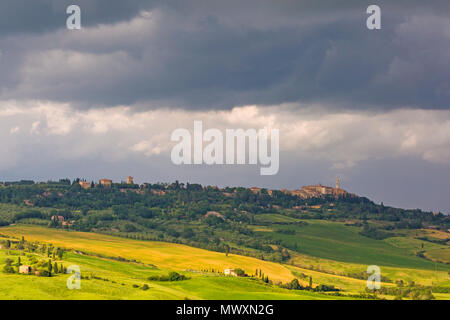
168	256
162	254
336	241
121	277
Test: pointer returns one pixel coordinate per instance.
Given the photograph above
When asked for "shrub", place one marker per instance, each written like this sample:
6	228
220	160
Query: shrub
172	276
8	269
44	273
239	272
325	288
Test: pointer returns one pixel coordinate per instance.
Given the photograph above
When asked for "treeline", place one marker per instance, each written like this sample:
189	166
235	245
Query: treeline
410	291
172	276
295	285
192	201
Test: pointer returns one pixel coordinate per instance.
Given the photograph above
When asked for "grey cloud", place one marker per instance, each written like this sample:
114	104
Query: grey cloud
218	54
40	16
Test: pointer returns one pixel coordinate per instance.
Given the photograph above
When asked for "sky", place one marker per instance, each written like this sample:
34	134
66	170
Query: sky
369	106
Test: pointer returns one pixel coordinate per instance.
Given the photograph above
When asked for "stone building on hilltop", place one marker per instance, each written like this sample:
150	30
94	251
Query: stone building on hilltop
317	191
85	184
107	183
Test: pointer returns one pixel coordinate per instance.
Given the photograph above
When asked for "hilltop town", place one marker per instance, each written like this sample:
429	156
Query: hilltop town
305	192
81	204
107	183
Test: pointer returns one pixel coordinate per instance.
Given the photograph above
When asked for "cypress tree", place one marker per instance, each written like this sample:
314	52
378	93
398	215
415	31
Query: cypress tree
50	267
60	253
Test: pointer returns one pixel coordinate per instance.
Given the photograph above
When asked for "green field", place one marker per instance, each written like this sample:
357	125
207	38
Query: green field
335	241
94	253
122	276
272	217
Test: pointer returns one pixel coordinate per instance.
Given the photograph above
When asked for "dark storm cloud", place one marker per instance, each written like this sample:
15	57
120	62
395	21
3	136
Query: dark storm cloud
37	16
218	54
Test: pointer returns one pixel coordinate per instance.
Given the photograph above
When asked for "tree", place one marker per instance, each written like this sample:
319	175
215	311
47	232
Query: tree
295	285
227	250
239	272
53	223
59	253
175	276
8	268
50	268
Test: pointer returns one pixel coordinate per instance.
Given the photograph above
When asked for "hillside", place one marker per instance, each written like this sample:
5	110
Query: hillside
328	240
98	254
162	254
108	278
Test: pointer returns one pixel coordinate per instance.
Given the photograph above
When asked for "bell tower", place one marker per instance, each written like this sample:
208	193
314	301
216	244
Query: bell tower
338	183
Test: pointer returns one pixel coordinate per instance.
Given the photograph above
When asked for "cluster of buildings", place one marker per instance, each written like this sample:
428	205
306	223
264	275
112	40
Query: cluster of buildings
313	191
106	183
61	220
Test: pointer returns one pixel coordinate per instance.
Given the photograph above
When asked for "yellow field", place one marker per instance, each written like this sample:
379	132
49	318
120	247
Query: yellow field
439	254
162	254
433	233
